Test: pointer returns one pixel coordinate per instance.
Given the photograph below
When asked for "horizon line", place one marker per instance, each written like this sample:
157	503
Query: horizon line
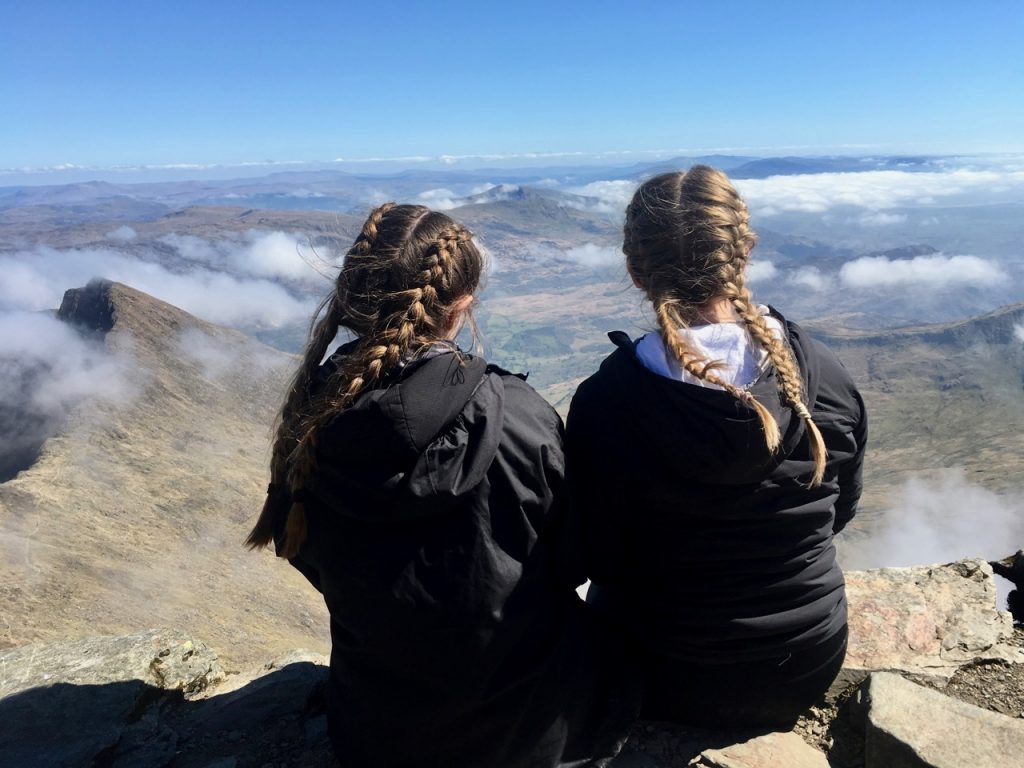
450	160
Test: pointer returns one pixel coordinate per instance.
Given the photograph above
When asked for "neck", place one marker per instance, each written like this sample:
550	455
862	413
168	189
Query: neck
718	310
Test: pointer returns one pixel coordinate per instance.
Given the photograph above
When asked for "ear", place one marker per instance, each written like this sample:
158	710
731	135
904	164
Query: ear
462	303
458	311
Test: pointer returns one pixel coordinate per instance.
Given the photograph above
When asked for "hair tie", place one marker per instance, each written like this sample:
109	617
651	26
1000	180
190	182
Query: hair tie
802	412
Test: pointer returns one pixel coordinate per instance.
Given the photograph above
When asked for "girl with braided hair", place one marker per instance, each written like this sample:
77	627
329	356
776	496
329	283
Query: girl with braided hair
711	463
417	487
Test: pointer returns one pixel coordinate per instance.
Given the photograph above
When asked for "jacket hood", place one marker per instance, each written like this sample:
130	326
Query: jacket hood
710	435
412	447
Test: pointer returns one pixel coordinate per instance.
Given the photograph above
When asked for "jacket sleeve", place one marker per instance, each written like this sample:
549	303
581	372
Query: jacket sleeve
599	539
851	472
840	414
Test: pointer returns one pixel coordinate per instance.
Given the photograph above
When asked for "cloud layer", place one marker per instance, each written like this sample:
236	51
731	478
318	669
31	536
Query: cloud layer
874	190
596	256
936	520
931	271
231	283
46	369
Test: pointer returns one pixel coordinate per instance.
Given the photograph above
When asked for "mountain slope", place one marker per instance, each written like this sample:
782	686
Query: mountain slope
133	516
947	395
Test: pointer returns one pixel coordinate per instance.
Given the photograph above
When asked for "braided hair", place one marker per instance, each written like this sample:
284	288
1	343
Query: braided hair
687	240
397	292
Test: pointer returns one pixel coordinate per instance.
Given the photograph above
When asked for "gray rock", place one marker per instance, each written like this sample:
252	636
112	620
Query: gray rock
165	659
64	704
926	620
768	751
910	726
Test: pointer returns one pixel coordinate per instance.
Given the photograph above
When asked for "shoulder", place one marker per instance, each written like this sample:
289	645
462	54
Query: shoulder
522	405
601	392
607	380
836	389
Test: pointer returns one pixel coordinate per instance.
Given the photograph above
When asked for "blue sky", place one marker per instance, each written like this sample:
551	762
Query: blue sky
117	83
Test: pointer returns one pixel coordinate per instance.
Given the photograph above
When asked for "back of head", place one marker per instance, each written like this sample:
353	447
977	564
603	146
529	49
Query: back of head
687	236
687	241
398	290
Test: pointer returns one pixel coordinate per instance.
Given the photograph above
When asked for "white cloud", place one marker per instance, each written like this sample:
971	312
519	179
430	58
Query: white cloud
193	248
591	255
440	199
880	219
759	271
875	190
936	520
279	254
811	277
444	199
610	196
46	369
303	193
257	253
1018	332
123	234
937	270
36	280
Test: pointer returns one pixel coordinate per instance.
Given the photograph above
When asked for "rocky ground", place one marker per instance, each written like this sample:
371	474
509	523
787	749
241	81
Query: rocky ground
162	699
832	726
992	685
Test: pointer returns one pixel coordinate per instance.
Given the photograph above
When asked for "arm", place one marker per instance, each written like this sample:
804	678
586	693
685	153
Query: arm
851	472
840	413
600	546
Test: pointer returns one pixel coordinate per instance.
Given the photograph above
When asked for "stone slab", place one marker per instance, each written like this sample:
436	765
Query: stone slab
768	751
910	726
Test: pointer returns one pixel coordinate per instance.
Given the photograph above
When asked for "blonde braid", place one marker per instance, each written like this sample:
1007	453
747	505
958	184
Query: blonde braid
734	260
670	321
790	380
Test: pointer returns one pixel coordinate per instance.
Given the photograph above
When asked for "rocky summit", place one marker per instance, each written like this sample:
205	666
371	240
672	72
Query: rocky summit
163	699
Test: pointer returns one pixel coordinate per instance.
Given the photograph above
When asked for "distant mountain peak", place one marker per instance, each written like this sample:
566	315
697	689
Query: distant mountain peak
103	306
91	307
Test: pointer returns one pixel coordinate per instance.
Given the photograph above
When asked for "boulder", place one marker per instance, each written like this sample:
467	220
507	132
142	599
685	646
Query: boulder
158	699
910	726
770	750
65	704
926	620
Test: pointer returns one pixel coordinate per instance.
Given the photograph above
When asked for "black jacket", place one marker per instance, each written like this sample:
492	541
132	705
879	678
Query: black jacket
701	542
453	644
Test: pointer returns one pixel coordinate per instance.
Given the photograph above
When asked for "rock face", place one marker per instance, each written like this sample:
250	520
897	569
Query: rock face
91	307
927	620
163	700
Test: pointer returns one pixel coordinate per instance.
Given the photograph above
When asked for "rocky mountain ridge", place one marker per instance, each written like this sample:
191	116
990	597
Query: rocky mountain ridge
138	506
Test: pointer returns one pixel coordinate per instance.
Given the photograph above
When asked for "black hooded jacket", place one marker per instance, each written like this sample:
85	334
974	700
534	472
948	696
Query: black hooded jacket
705	545
453	642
